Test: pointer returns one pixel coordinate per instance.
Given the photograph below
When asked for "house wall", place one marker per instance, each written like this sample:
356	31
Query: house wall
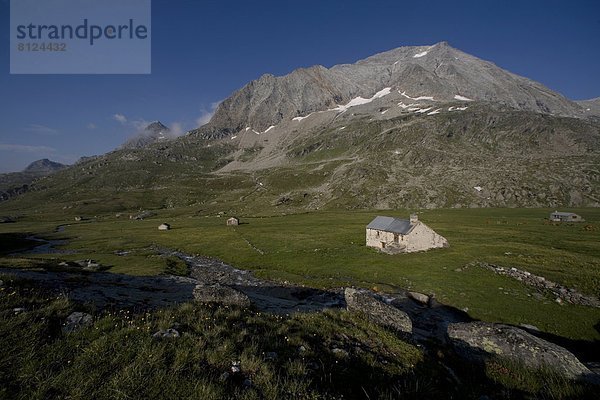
566	218
420	238
375	238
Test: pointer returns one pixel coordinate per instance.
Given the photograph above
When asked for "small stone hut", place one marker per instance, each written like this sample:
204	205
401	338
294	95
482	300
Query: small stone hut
233	221
565	217
392	235
164	227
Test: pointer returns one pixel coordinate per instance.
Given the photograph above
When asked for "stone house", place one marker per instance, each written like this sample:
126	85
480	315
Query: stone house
392	235
164	227
565	217
233	221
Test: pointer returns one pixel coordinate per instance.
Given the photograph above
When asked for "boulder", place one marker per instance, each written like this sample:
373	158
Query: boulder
142	215
220	294
88	265
236	367
77	320
419	297
377	311
478	340
166	333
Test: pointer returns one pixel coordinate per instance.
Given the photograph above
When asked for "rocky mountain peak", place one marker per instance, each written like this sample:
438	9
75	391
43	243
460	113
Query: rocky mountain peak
436	71
155	132
44	166
156	126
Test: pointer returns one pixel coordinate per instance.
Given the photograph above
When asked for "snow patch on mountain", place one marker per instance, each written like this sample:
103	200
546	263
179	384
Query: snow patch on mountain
422	54
424	110
301	118
357	101
462	98
409	106
430	98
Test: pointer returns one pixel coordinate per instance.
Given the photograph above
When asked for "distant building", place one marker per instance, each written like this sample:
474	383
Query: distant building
393	235
565	217
164	227
233	221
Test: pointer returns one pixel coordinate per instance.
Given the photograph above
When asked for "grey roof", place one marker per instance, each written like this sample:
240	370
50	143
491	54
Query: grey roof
563	214
389	224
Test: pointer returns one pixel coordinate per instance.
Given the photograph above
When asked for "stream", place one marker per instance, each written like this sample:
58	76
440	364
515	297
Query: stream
106	290
110	290
46	246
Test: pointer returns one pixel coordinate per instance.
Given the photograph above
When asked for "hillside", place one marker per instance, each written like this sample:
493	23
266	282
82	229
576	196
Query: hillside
16	183
483	156
591	107
419	127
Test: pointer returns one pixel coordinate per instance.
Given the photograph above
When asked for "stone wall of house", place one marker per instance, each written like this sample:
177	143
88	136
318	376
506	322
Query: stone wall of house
420	238
423	237
375	238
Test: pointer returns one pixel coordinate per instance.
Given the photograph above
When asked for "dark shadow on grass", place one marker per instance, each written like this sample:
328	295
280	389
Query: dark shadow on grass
288	299
584	350
107	290
16	242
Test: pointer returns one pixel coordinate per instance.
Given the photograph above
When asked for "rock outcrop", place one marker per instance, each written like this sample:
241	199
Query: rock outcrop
76	321
220	294
477	340
377	311
169	333
560	292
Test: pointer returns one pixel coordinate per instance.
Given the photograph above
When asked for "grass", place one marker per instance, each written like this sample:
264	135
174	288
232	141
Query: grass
326	249
330	355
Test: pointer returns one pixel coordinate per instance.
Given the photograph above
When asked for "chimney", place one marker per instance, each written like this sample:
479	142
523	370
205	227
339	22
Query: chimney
414	218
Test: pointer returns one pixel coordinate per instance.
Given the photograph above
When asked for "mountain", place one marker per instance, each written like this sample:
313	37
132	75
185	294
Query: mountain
153	133
16	183
591	107
415	127
44	167
437	71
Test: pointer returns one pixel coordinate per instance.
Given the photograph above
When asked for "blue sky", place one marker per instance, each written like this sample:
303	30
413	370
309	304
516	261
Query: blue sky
202	51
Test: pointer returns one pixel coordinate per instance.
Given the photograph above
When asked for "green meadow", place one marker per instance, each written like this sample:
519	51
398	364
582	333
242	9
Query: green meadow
327	249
